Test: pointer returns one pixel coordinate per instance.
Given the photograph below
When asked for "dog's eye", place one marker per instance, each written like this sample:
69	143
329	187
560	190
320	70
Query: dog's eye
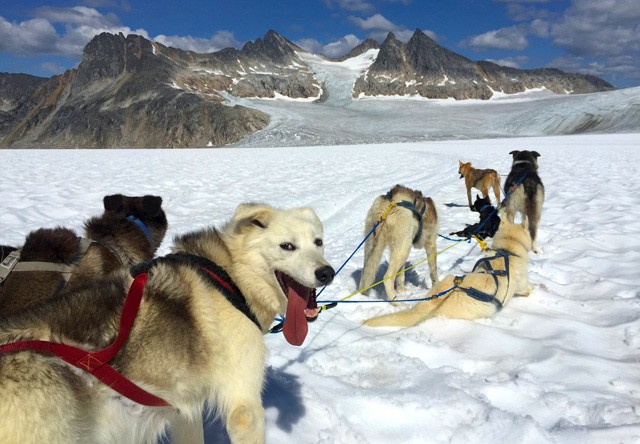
318	242
287	246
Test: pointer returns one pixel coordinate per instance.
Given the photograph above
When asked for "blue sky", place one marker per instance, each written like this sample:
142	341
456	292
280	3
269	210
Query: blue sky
600	37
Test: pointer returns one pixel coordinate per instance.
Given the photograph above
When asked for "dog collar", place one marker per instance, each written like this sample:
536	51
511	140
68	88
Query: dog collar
213	274
141	226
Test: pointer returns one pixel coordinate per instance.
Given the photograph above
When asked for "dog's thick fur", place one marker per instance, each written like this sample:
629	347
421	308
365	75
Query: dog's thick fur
489	220
398	232
526	192
513	238
482	180
189	345
117	242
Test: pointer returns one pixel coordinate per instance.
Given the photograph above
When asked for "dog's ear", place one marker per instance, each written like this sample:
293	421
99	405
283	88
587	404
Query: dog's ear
252	215
536	154
514	152
152	205
113	202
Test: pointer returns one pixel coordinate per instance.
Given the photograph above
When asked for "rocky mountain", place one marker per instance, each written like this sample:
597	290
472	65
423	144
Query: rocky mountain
131	92
423	67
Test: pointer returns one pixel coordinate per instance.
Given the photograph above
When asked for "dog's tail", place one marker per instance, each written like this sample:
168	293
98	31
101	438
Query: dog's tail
405	318
496	188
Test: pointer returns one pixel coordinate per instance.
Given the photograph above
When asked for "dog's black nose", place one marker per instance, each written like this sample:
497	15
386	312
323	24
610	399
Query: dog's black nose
325	274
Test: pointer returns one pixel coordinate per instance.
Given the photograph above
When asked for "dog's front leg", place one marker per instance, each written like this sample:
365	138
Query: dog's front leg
185	431
245	423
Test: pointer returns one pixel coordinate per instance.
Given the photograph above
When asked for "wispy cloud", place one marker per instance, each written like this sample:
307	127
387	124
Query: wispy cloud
350	5
220	40
334	49
505	38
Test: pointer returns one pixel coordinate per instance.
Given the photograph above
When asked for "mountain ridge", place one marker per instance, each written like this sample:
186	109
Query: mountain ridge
128	91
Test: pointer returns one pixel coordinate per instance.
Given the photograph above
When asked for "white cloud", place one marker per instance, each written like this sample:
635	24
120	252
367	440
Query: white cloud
599	28
341	46
38	36
505	38
333	49
511	62
350	5
311	45
220	40
376	22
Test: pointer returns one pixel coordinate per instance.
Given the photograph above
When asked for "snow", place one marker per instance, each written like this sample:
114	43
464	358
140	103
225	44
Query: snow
560	366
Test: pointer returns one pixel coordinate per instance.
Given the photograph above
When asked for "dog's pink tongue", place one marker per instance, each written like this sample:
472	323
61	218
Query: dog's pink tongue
295	326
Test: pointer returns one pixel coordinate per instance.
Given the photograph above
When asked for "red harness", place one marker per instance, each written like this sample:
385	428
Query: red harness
97	363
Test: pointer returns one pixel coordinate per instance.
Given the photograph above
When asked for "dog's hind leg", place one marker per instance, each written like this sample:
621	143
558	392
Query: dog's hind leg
373	249
496	190
398	254
534	211
432	255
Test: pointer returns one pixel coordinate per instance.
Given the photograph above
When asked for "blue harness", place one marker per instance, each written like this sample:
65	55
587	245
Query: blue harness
485	265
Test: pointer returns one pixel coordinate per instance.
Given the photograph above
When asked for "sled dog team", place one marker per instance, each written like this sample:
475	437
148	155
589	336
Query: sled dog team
101	342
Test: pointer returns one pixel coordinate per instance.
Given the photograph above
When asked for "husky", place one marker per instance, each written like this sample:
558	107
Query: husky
129	231
412	220
489	220
479	294
482	180
197	339
528	198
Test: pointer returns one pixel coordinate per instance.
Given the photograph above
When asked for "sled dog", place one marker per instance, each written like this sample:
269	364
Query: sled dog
130	230
489	220
481	180
411	221
197	337
528	198
479	294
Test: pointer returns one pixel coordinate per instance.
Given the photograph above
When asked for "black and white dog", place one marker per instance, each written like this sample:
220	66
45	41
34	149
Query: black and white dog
525	192
489	220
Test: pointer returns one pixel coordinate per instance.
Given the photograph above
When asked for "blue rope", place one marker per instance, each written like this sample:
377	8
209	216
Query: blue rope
354	252
369	301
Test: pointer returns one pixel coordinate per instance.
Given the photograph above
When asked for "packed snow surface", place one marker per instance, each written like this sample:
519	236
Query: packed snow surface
559	366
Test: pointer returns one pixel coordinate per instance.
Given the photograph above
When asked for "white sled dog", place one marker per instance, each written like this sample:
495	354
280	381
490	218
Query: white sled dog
412	221
197	337
479	294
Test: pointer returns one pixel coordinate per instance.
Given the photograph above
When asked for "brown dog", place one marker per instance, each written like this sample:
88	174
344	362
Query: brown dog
128	232
479	179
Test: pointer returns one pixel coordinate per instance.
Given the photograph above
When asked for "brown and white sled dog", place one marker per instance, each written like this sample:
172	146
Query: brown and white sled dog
526	192
412	221
129	231
197	338
482	180
493	283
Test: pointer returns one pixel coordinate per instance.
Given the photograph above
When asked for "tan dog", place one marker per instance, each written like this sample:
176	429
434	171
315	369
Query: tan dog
481	180
493	283
129	231
412	221
197	337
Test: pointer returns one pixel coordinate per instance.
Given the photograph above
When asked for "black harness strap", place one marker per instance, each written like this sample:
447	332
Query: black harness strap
212	273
